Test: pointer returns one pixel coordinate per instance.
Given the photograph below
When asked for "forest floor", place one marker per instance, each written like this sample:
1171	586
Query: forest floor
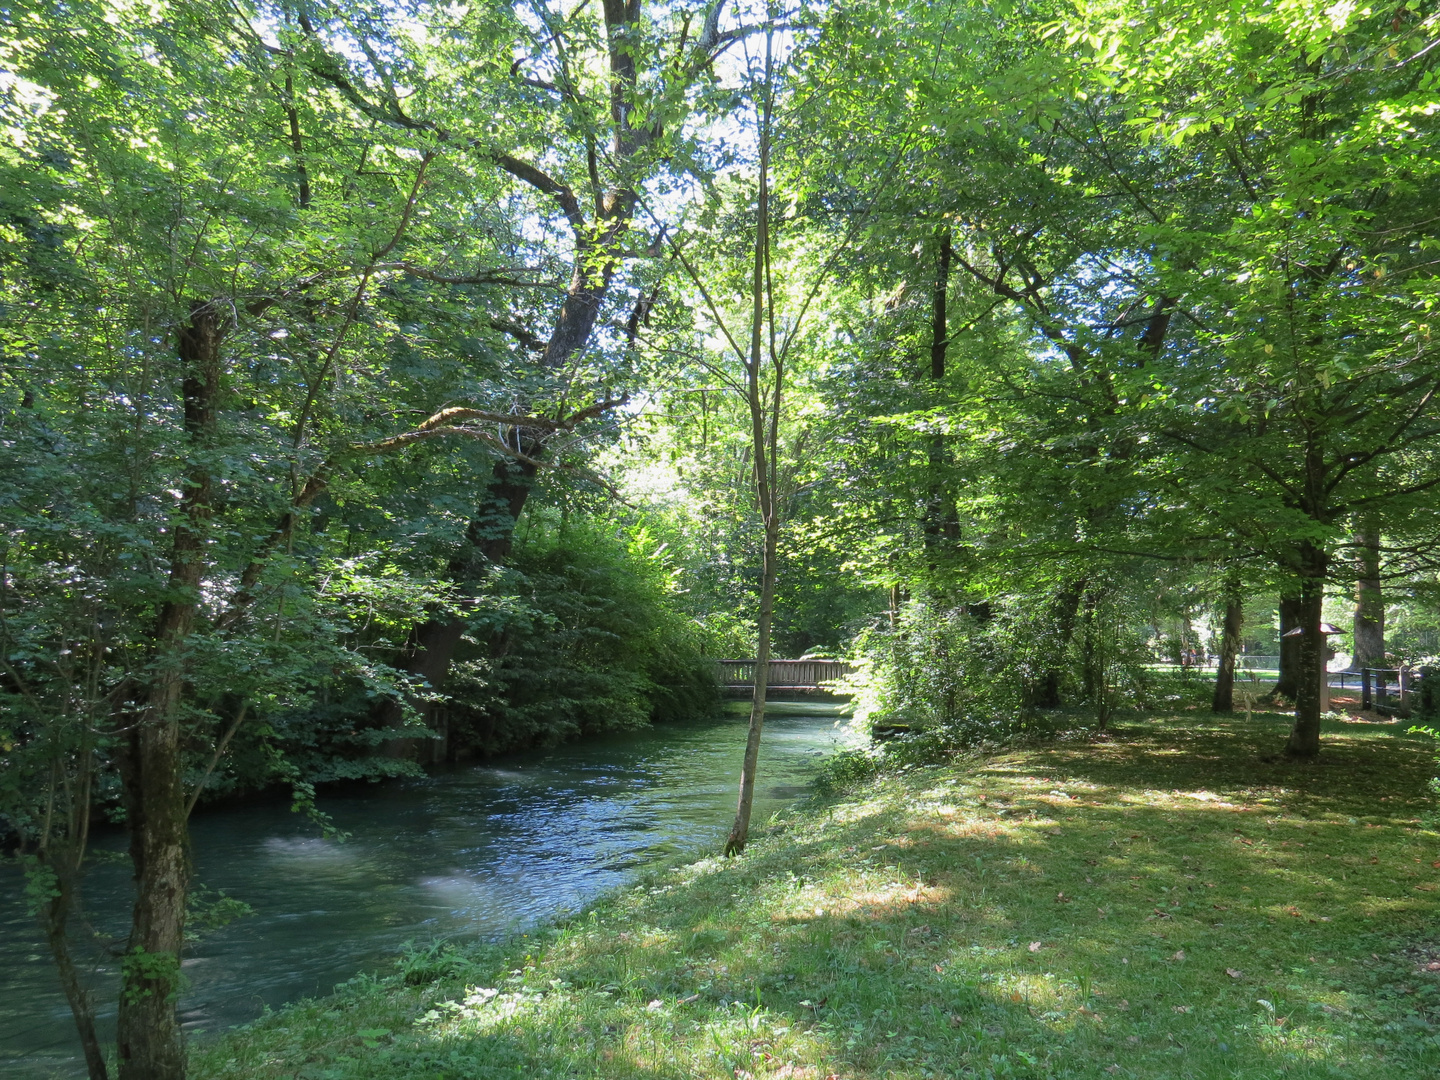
1168	901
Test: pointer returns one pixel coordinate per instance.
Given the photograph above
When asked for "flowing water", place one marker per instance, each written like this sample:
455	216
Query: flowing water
475	851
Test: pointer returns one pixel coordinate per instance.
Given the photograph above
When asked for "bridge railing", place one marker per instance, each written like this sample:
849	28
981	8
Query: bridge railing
784	674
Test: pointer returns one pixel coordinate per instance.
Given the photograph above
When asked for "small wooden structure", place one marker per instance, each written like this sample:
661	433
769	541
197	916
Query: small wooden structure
811	675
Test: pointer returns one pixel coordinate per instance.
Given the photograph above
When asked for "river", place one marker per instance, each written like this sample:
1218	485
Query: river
472	851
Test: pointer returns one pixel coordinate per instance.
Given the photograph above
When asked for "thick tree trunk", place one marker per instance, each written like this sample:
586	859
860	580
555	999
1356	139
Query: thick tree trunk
487	543
1224	699
1304	741
151	1046
1369	601
595	262
1286	685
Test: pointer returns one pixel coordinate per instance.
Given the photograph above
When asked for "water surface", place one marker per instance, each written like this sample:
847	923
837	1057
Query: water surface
473	851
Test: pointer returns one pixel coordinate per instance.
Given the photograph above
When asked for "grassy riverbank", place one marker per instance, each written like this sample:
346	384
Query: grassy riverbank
1165	903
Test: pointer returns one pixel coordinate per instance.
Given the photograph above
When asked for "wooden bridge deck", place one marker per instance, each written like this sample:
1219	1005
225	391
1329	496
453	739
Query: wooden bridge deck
783	674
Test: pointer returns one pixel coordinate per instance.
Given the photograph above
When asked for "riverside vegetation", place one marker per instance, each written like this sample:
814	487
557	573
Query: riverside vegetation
387	382
1168	901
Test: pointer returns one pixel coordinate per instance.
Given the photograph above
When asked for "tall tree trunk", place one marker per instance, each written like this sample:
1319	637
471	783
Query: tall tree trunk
1304	741
1224	699
151	1045
1369	601
595	262
940	520
1290	617
763	396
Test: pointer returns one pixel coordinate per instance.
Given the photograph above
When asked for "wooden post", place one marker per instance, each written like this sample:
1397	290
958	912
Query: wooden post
1365	688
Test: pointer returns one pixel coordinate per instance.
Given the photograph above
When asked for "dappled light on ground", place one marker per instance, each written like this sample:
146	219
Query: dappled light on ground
1167	903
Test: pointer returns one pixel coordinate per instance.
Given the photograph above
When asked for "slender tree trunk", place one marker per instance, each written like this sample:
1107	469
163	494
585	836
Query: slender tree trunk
763	396
1304	741
940	519
150	1042
1369	601
55	916
740	831
1224	699
1290	617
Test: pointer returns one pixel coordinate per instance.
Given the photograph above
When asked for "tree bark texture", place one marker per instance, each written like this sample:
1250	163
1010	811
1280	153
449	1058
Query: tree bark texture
1304	741
1224	699
1289	647
1369	626
150	1042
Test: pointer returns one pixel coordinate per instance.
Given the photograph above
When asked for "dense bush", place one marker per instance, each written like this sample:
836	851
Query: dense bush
972	677
581	634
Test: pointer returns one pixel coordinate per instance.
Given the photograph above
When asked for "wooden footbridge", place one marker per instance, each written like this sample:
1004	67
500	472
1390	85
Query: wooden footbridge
800	675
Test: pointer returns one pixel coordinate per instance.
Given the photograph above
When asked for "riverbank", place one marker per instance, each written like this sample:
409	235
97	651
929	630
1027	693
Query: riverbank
1164	903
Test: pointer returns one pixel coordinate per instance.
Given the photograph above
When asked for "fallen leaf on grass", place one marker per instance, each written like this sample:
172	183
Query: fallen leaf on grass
1235	973
1180	1008
1179	955
796	1072
1061	898
1112	1068
1034	946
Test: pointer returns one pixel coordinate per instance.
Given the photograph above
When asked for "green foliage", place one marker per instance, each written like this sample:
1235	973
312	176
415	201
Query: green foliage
147	972
979	679
208	910
581	634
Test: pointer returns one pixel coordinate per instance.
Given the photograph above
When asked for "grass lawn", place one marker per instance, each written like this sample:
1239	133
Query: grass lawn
1165	903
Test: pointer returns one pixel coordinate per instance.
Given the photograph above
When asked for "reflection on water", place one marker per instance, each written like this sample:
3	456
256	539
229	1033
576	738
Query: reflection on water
478	851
